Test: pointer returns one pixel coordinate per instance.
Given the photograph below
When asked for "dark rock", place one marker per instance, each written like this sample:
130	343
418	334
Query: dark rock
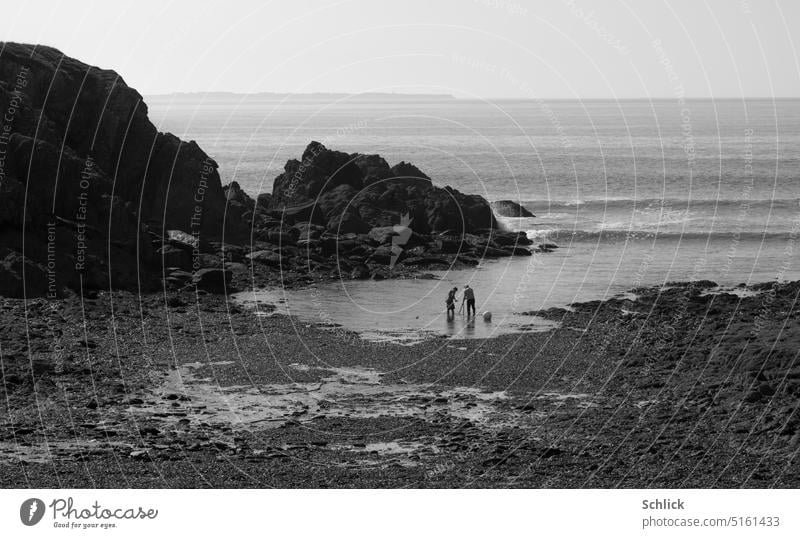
373	168
283	238
404	170
266	257
492	252
213	280
263	200
509	208
382	235
360	272
318	171
301	211
230	253
507	239
237	198
448	244
349	222
173	256
551	452
83	127
470	260
382	255
354	193
307	231
425	261
13	266
174	301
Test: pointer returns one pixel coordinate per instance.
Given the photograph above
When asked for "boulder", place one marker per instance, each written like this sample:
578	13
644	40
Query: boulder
13	268
382	255
229	252
213	280
306	211
382	235
266	257
508	239
360	272
509	208
283	238
349	222
173	256
307	231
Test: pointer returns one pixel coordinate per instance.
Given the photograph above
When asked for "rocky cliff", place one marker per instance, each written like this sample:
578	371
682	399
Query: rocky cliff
86	178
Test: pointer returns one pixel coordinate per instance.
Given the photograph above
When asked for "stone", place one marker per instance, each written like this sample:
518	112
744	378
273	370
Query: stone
382	235
508	239
509	208
173	256
266	257
213	280
282	238
360	272
181	239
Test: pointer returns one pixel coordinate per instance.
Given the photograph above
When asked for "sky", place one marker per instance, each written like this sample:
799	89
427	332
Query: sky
568	49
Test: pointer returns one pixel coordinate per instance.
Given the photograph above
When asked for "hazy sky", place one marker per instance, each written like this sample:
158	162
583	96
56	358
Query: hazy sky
469	48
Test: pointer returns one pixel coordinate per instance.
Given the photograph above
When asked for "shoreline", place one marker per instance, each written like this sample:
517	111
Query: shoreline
676	388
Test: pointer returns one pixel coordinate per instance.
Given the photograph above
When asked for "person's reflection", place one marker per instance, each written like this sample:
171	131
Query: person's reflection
469	327
450	325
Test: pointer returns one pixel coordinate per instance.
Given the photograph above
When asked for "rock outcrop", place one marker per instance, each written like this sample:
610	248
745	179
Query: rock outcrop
87	183
354	193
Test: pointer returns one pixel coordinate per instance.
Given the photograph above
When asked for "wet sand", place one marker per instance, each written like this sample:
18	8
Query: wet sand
687	386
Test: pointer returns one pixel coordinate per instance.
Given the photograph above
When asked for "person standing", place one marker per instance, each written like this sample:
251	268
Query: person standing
469	297
451	303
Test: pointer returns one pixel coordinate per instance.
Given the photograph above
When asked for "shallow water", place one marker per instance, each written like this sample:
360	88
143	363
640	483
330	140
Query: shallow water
412	309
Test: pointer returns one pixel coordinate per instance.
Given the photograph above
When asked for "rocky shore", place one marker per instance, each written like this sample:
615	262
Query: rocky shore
125	363
93	197
684	386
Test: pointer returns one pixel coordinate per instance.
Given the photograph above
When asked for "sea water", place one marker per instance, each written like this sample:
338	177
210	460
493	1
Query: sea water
634	193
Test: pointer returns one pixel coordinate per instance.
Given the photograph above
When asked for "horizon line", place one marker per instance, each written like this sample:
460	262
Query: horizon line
445	96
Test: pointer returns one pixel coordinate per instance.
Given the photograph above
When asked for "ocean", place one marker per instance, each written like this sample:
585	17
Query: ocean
634	193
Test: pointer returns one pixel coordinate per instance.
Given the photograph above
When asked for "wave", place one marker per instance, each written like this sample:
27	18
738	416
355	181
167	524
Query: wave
743	204
554	234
